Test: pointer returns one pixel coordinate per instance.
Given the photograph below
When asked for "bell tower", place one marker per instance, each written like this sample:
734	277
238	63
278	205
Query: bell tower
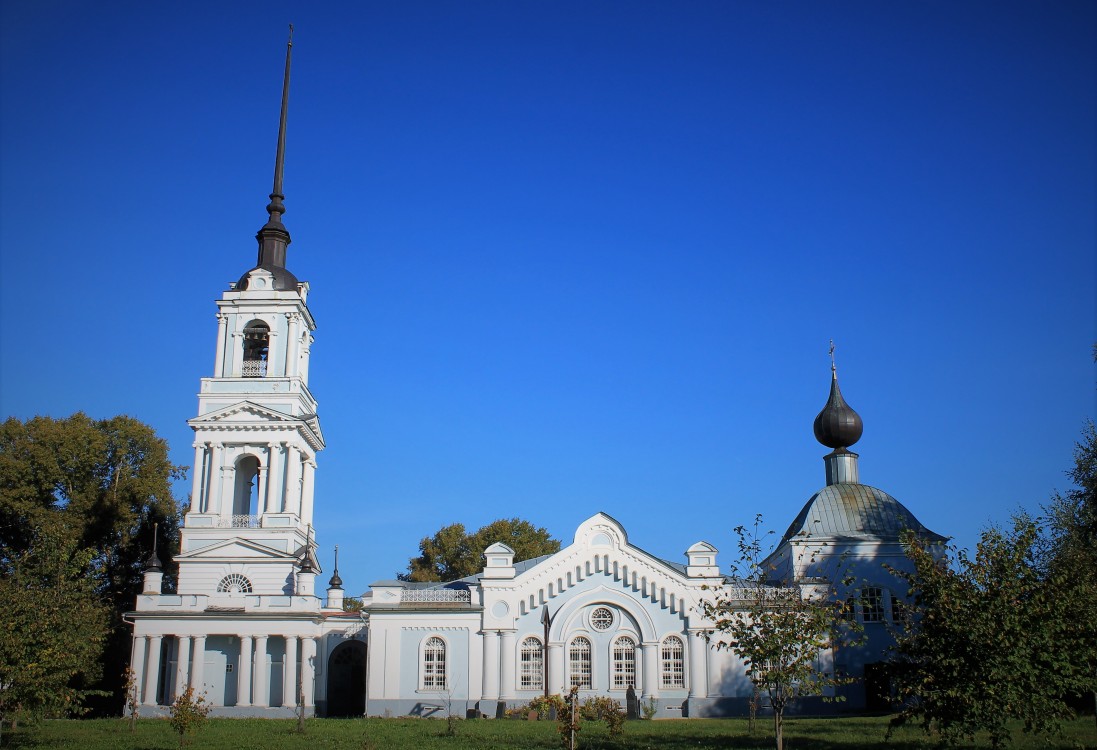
249	526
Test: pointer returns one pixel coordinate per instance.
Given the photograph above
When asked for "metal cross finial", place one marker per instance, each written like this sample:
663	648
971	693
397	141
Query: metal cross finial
291	35
155	534
833	368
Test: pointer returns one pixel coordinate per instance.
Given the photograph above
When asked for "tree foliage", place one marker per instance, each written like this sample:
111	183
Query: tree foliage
96	486
52	627
991	641
786	636
453	553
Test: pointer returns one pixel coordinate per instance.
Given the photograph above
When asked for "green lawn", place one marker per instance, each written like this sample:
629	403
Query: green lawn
429	734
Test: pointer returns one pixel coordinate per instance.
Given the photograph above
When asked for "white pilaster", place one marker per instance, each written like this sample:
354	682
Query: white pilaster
217	480
293	339
506	665
650	677
558	677
243	678
698	667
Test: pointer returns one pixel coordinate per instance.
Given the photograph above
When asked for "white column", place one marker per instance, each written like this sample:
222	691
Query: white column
137	666
215	504
182	659
196	486
243	677
219	355
198	665
267	499
307	485
234	342
491	666
506	665
262	673
292	492
308	671
289	681
698	668
650	677
293	321
152	670
558	676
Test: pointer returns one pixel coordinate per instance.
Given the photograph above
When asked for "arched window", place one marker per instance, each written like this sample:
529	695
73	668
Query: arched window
579	663
673	661
433	672
244	498
256	348
531	665
624	662
234	583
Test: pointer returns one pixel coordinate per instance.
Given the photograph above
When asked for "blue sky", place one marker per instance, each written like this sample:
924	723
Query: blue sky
570	257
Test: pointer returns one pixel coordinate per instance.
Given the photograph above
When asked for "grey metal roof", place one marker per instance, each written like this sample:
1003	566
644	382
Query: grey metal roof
855	510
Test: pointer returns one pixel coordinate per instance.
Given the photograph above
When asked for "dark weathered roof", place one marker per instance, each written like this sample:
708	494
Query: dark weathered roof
838	425
855	510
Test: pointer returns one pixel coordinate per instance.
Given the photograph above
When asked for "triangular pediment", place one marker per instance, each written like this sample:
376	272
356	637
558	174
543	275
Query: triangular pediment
235	549
245	412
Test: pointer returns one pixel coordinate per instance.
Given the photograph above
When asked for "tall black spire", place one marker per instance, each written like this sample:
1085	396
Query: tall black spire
274	238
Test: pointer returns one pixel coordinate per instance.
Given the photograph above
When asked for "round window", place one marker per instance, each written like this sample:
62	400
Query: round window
601	618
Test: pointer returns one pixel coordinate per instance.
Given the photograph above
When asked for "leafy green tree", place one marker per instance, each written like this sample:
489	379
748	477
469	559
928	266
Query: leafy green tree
453	553
1071	555
991	639
102	484
785	636
52	627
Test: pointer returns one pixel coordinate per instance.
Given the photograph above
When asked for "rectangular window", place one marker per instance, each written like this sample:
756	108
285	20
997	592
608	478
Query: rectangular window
872	604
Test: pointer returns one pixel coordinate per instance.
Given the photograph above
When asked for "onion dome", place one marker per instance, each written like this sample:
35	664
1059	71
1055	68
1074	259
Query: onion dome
153	562
838	425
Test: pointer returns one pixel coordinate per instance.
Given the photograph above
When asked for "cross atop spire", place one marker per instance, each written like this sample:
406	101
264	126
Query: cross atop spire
833	368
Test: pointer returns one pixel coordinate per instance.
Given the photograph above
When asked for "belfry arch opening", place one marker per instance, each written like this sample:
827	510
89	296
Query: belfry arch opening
256	349
245	499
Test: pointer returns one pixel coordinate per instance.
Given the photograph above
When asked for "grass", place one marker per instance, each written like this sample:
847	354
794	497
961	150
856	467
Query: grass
427	734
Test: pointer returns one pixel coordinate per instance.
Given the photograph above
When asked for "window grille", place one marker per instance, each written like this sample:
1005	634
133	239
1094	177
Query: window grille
898	609
674	666
234	583
624	662
434	664
579	661
532	665
601	619
872	604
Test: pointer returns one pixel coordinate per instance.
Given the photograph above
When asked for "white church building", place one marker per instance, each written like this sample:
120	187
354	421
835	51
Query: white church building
247	628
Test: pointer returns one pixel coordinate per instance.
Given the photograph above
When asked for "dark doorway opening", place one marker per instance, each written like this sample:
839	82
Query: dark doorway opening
347	680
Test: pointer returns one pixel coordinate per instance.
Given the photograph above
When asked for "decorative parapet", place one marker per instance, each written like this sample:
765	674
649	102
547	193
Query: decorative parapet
452	596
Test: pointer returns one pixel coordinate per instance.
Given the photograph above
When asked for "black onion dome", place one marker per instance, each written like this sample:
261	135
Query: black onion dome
838	425
153	562
336	582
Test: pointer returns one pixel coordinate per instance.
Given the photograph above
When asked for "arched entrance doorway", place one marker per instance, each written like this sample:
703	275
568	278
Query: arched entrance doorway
347	680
